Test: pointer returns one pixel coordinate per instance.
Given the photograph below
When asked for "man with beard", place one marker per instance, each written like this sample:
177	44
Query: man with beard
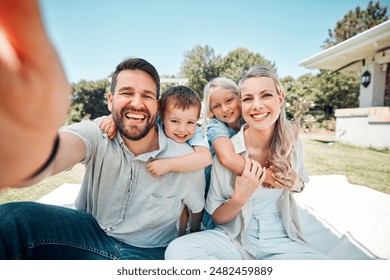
122	211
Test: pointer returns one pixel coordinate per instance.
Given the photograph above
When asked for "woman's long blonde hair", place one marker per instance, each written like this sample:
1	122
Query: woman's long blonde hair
285	133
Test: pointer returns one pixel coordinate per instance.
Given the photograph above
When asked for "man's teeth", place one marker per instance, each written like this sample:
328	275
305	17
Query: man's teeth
135	116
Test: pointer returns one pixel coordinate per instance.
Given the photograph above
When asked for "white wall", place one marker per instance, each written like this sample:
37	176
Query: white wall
374	94
358	131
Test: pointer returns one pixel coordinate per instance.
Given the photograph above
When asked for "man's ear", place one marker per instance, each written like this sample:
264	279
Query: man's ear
158	110
110	101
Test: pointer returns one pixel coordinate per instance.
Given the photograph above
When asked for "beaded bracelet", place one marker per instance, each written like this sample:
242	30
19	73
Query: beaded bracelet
299	186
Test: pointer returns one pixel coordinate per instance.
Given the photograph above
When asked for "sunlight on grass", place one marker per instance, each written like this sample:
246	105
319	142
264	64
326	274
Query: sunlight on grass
361	166
35	192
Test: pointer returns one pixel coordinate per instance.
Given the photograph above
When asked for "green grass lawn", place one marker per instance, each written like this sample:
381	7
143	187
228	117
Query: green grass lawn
364	167
33	193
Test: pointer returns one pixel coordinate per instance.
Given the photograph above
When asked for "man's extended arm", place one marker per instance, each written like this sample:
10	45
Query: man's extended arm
34	92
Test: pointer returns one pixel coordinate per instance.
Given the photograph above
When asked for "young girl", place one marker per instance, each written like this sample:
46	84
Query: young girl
254	222
223	119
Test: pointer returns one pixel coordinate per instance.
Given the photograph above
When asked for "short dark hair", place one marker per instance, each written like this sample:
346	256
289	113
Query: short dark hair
182	97
136	64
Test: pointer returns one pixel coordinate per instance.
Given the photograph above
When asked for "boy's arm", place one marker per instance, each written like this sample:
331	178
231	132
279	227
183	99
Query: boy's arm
195	219
199	159
183	222
224	150
107	124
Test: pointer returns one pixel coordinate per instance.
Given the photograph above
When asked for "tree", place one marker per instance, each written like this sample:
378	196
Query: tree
89	100
336	91
238	61
355	22
298	95
199	66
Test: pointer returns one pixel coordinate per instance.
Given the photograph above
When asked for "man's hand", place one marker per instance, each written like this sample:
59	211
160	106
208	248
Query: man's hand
34	92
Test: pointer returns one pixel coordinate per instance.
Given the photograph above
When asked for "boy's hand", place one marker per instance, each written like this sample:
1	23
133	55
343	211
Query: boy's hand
158	167
107	125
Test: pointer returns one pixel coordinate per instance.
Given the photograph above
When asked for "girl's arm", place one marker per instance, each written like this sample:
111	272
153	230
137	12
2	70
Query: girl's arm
199	159
224	150
245	185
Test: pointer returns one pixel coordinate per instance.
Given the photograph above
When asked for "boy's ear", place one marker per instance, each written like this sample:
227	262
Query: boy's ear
211	115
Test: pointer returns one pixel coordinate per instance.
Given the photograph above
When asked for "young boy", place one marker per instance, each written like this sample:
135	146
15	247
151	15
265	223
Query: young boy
179	111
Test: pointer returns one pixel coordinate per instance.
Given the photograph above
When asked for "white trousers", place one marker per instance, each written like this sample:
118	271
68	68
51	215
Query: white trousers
216	245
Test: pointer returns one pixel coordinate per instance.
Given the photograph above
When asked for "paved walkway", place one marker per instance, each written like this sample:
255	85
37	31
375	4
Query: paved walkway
342	220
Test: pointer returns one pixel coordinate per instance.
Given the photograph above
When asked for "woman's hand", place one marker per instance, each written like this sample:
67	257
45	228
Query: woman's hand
246	184
289	182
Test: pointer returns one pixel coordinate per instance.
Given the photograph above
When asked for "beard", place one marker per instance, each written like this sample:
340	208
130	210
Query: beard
134	132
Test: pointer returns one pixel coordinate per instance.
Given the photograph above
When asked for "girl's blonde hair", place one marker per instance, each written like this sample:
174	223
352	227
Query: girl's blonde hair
285	133
210	87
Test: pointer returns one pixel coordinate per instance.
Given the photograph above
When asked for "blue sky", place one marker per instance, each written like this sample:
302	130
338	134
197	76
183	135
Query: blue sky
93	36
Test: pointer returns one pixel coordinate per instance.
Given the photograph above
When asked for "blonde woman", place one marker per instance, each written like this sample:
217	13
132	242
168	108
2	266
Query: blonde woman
254	222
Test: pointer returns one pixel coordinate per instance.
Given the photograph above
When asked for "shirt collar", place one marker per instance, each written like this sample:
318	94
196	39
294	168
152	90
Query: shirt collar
162	143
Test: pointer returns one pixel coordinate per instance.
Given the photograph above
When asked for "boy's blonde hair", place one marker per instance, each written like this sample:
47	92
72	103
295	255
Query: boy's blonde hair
285	134
210	87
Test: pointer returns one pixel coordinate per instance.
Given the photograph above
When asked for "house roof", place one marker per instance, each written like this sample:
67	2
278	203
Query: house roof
350	54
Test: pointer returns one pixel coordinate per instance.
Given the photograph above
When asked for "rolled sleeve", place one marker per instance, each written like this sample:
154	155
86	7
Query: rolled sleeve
89	132
217	129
